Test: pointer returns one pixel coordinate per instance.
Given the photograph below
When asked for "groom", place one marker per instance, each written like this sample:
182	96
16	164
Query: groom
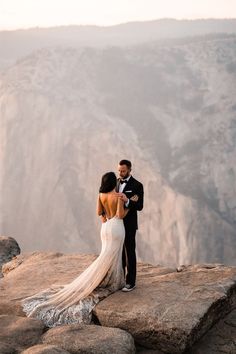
132	194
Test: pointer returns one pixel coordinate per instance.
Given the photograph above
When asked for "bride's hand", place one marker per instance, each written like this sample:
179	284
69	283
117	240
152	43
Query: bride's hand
123	197
103	218
134	198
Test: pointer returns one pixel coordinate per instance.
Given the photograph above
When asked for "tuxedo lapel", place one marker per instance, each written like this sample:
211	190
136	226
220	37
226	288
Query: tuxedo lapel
128	184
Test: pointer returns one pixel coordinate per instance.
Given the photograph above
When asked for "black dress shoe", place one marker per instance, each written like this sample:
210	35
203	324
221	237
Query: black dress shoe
128	287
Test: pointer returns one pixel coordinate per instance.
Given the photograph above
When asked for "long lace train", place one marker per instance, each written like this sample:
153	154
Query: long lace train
74	302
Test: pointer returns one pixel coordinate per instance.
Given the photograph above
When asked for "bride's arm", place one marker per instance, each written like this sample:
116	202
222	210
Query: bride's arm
100	210
121	212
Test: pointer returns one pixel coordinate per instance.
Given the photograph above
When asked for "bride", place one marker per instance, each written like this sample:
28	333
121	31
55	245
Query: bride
74	302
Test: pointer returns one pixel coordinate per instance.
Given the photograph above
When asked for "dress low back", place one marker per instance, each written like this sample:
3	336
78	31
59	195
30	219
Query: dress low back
74	302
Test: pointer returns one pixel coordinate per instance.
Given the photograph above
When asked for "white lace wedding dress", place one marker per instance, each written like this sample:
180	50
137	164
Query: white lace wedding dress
74	302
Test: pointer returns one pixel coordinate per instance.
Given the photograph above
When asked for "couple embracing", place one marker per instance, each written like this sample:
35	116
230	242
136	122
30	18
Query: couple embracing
114	269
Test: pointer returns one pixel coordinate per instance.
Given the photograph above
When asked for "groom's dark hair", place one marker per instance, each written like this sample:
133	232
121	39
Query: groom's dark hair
125	162
108	182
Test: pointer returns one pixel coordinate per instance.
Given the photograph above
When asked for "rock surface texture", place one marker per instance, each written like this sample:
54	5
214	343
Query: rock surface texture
170	312
220	339
189	309
99	340
20	332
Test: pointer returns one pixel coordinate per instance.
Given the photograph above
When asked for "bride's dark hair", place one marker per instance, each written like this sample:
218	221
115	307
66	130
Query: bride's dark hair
108	182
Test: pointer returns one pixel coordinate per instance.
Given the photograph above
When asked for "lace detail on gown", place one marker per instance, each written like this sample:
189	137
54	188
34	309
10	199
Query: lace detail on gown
74	302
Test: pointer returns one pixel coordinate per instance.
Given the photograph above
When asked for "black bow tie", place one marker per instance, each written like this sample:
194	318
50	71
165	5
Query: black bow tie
123	181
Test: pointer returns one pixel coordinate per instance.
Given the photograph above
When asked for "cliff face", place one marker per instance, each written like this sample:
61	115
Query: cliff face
69	115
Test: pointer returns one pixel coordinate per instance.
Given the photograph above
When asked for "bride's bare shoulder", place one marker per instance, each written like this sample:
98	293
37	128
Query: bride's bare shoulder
116	194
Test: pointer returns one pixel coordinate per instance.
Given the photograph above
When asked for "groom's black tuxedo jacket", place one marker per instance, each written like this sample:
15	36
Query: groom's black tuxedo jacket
132	187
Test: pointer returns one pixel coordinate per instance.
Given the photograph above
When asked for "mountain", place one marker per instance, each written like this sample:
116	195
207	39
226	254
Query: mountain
16	44
70	114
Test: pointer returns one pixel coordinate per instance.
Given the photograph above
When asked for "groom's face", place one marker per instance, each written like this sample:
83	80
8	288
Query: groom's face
124	171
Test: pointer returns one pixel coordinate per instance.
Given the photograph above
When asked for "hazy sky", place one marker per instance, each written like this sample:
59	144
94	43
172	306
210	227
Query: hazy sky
46	13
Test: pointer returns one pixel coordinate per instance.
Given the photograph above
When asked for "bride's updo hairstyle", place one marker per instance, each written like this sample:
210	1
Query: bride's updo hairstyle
108	182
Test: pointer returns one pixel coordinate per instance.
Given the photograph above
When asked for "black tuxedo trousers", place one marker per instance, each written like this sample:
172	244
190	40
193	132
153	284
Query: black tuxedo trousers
131	225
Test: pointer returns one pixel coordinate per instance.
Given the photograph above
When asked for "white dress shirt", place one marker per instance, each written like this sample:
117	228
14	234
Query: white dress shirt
122	187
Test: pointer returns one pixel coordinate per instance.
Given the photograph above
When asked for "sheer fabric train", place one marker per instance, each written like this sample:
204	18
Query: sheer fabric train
74	302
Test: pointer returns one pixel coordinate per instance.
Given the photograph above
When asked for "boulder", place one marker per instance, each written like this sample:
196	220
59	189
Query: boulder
10	265
44	349
9	248
5	348
170	312
19	332
90	339
142	350
221	338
